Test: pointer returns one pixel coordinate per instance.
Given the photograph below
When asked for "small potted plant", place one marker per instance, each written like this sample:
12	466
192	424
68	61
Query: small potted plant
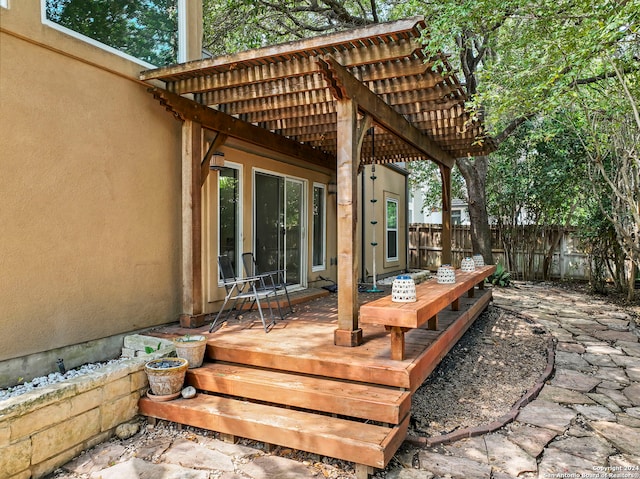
166	377
191	348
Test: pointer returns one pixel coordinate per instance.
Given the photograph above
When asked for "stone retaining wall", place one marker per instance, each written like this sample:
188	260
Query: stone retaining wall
43	429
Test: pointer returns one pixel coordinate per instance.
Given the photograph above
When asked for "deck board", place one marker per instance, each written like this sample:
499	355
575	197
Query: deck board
346	398
332	437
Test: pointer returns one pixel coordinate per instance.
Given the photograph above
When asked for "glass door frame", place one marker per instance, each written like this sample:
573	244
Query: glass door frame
239	215
303	219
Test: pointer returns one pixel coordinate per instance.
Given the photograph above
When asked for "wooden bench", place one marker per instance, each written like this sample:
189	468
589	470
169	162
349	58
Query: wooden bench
398	318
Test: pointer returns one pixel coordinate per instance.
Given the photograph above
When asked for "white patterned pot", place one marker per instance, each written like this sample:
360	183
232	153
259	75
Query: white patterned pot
468	265
478	260
403	289
446	274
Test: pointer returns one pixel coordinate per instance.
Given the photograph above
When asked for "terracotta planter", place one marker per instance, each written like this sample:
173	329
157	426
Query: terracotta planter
191	348
166	375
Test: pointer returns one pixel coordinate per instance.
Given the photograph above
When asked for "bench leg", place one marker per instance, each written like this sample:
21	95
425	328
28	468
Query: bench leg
471	293
397	341
363	471
432	323
481	284
455	306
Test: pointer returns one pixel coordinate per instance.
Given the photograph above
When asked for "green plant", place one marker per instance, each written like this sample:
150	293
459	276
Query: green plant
501	277
149	349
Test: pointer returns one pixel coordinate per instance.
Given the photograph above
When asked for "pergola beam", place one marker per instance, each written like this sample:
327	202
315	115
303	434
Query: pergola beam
345	84
186	109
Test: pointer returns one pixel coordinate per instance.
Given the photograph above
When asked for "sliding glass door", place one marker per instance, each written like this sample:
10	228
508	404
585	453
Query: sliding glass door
279	225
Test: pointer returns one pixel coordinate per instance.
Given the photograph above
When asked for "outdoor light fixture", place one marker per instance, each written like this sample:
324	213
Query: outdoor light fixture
332	188
216	163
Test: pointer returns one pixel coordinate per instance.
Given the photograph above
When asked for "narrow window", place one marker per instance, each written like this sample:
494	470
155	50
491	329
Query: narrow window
391	225
456	217
229	205
319	227
142	29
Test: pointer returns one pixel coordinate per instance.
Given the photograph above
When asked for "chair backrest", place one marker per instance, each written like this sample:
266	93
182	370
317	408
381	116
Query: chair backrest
249	263
227	273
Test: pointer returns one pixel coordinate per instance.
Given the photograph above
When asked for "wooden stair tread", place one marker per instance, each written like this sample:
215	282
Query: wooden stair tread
362	443
323	360
366	401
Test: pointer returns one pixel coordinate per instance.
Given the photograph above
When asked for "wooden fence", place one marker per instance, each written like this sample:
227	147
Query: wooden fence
522	251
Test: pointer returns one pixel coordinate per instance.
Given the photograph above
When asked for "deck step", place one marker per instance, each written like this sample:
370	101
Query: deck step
345	398
362	443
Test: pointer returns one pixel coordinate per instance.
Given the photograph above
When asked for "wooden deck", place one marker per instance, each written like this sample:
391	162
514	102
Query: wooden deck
271	387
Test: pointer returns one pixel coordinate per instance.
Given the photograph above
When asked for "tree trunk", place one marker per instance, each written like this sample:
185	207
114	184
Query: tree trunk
474	172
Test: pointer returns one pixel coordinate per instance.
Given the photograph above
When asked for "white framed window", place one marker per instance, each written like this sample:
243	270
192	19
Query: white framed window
391	228
230	214
319	228
149	32
4	3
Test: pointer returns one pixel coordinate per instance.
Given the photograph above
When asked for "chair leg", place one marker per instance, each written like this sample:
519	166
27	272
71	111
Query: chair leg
213	324
257	301
286	292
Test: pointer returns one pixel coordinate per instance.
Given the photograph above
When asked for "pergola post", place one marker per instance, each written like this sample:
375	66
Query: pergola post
191	222
445	174
348	332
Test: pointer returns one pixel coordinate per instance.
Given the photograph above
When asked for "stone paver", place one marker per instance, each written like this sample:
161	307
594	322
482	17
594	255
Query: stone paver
267	467
137	469
572	361
505	456
563	395
624	438
591	448
587	415
633	394
455	467
555	463
530	438
189	454
548	415
568	379
595	413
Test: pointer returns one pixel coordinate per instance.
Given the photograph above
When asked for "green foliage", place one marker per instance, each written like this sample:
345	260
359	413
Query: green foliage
538	175
501	277
149	349
425	175
236	25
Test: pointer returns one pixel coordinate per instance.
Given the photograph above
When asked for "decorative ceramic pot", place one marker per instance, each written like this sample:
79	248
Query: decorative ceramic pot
446	274
468	265
403	289
191	348
166	375
478	260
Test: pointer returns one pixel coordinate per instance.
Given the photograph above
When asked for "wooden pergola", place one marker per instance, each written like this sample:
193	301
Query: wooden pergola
314	100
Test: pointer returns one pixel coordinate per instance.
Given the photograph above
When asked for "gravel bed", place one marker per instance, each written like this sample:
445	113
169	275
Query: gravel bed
493	365
53	378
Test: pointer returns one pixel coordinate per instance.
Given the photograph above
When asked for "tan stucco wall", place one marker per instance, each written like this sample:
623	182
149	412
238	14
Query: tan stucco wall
389	183
90	188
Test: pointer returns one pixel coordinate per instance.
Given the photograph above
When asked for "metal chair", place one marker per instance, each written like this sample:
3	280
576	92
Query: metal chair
252	288
276	280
